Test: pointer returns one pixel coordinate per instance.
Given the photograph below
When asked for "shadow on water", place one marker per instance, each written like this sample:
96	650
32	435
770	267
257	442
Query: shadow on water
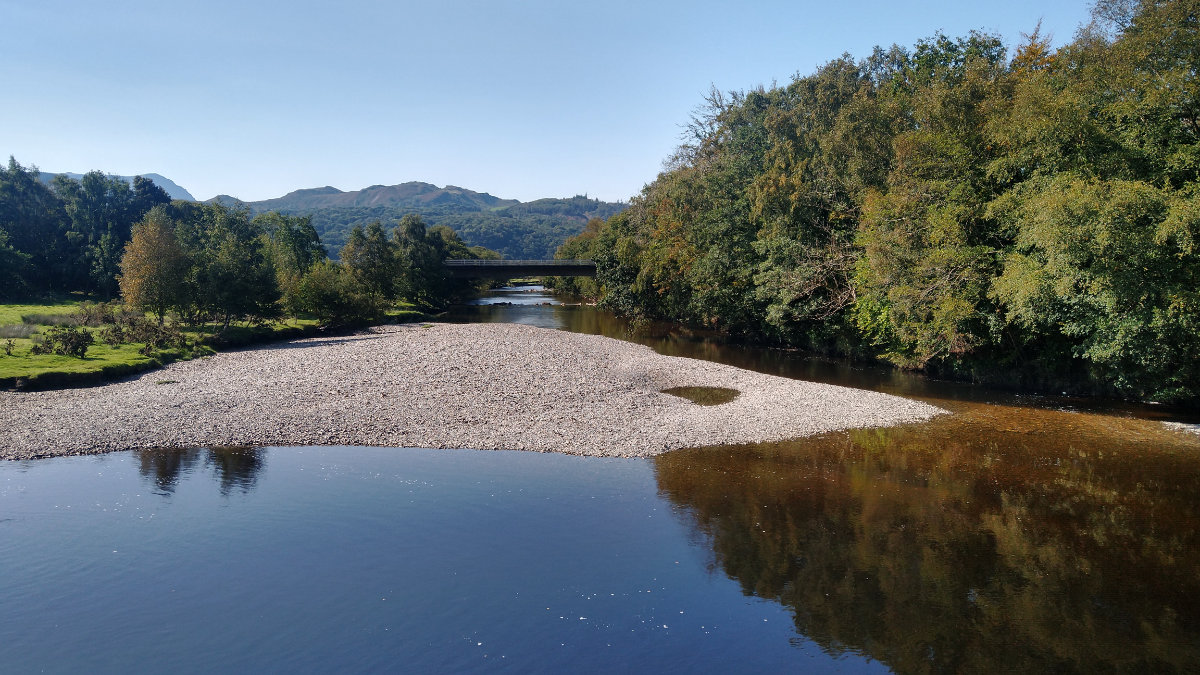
972	543
232	468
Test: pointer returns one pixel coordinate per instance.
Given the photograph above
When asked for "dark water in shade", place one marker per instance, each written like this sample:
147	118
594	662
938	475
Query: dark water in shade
1019	534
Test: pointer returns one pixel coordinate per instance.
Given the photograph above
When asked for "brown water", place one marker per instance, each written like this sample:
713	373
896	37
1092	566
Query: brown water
704	395
1020	533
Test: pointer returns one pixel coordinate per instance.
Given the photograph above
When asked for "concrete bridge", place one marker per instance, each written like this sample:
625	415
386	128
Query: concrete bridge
512	269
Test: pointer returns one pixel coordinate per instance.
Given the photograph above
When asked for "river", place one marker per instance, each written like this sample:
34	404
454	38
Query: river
1020	534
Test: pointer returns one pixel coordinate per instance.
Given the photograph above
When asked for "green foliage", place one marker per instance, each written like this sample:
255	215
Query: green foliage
373	260
154	266
331	294
12	262
152	336
1110	266
68	236
66	341
1028	221
517	231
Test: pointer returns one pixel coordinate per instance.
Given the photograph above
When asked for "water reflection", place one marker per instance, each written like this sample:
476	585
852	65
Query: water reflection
980	542
525	294
233	468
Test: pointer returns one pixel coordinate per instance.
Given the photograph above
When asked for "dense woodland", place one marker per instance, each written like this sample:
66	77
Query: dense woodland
1027	218
100	237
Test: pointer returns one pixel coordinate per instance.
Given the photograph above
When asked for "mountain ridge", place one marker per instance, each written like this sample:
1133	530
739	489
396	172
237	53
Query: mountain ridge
514	228
411	193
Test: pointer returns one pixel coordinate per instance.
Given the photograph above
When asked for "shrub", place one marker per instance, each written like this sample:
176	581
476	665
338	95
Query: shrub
9	345
96	314
140	329
65	340
112	335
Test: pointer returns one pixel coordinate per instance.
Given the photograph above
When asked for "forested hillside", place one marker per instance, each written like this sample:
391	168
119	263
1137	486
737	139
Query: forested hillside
516	230
1028	218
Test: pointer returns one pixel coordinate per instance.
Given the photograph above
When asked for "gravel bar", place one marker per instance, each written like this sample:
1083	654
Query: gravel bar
484	386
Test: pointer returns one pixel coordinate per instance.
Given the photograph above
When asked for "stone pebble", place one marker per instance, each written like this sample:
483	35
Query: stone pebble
482	386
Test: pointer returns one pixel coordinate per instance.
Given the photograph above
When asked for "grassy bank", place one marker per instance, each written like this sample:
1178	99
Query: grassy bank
23	326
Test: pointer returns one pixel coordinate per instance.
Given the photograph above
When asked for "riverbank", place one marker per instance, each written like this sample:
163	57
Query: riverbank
485	386
24	326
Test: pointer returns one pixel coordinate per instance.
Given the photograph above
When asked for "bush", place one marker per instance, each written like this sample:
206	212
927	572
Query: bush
154	336
65	340
101	313
93	314
112	335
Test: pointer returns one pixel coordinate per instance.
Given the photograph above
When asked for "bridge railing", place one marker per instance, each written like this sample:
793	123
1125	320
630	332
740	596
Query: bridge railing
503	269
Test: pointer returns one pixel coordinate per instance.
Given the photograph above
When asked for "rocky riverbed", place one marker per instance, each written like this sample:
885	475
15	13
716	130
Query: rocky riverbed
485	386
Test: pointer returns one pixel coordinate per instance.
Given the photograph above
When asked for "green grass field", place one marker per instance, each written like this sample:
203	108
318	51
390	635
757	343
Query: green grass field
11	314
23	369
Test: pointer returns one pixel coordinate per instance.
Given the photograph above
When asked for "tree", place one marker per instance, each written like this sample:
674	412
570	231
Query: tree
239	279
371	257
33	220
330	293
147	194
154	266
1113	267
12	264
293	247
102	210
294	242
420	259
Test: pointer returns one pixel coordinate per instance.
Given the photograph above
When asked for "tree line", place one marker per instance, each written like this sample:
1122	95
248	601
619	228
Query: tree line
1029	220
531	230
101	237
69	235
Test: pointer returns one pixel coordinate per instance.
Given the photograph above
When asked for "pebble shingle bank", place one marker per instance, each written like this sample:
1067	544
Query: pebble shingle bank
485	386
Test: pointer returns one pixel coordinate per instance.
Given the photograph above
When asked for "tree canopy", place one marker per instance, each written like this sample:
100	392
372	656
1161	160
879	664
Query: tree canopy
1027	219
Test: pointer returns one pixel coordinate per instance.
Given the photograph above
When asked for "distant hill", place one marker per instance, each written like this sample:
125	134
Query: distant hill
411	195
172	189
518	230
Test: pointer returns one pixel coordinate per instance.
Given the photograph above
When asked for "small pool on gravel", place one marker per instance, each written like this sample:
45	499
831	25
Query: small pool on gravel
704	395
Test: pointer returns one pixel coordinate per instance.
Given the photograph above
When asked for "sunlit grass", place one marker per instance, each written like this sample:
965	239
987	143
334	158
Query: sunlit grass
103	360
100	358
11	314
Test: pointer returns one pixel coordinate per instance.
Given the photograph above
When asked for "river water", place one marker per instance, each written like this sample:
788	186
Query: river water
1020	534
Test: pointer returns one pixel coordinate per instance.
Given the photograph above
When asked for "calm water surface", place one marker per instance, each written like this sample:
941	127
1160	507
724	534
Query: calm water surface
1019	534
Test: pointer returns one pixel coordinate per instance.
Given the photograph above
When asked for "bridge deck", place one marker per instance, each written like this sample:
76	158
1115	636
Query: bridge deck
509	269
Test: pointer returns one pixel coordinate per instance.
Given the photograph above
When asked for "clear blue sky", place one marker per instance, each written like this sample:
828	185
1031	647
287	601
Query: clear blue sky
543	98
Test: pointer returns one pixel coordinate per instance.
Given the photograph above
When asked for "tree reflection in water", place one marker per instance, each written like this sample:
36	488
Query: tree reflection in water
980	542
233	468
